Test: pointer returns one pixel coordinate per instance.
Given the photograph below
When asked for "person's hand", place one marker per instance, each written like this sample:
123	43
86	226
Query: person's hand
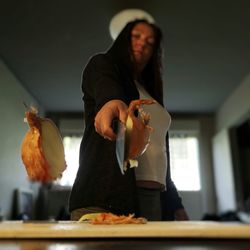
181	214
104	118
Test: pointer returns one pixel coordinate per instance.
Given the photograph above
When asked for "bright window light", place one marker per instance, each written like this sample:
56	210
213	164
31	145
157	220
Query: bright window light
184	161
71	148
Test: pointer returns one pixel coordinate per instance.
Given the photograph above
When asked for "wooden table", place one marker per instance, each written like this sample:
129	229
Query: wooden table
15	235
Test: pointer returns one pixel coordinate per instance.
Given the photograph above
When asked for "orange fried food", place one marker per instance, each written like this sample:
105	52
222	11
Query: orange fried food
138	130
110	218
42	149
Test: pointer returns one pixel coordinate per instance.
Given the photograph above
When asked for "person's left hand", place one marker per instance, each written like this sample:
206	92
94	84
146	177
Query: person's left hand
181	214
104	118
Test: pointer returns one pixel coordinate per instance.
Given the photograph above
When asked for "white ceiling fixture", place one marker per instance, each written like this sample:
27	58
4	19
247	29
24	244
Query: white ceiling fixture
119	20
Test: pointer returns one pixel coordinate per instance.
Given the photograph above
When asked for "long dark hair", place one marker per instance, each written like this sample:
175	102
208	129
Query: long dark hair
151	76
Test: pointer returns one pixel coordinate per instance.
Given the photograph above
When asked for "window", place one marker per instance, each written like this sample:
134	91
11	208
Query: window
71	147
71	131
184	161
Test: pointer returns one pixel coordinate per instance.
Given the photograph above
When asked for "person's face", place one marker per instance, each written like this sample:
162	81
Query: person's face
142	44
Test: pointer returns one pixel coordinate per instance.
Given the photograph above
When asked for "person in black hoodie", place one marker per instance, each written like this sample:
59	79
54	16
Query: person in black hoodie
129	70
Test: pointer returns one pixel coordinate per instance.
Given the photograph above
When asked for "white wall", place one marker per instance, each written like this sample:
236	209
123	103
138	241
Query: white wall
12	132
232	112
223	172
236	108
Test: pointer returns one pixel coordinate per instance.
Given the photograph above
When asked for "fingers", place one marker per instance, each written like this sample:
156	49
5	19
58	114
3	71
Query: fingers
103	126
123	113
104	118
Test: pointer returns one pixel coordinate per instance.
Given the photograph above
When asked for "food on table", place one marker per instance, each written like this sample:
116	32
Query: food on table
111	219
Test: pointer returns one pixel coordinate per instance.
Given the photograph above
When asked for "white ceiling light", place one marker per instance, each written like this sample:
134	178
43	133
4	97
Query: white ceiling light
119	21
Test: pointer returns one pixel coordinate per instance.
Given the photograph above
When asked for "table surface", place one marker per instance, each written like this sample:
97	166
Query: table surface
81	230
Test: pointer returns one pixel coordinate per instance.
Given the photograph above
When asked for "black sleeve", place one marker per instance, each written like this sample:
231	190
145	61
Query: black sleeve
170	199
100	81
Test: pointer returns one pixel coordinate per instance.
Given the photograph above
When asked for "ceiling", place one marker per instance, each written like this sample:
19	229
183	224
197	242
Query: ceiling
207	47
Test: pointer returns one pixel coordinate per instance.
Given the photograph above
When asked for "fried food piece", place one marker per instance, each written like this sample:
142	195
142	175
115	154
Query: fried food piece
111	219
42	150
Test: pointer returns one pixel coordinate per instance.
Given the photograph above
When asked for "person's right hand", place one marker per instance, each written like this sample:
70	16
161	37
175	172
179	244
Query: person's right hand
104	118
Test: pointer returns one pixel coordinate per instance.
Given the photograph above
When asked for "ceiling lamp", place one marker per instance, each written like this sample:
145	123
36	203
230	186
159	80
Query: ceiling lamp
119	21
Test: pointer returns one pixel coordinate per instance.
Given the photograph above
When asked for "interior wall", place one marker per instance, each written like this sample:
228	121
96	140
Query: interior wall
12	132
224	179
192	201
236	108
234	111
207	130
199	203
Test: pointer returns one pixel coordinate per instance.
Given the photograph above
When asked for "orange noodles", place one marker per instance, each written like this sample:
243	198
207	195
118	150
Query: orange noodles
42	149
